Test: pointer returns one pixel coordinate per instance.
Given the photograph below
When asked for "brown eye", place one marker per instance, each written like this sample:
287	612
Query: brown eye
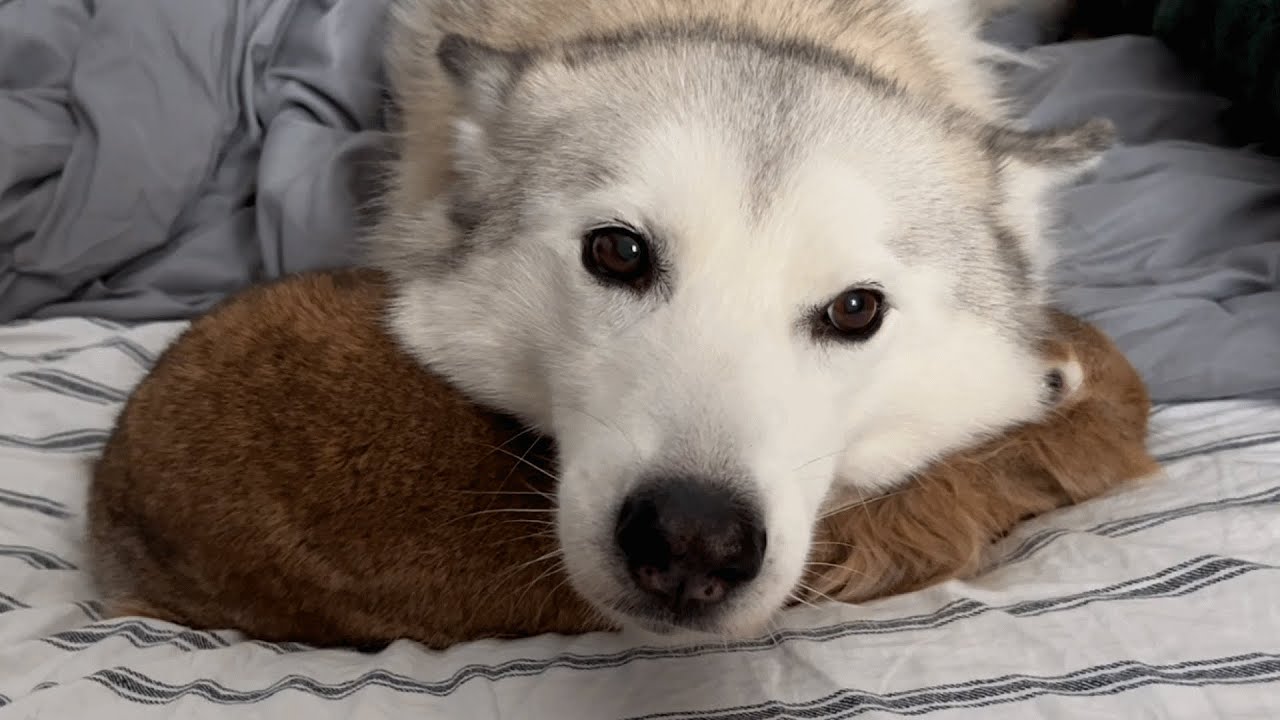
856	313
617	255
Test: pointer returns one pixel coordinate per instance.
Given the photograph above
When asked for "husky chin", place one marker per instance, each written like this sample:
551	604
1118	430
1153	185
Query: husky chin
739	257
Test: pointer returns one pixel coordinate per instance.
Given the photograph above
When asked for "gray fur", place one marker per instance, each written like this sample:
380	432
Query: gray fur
770	170
1073	145
762	101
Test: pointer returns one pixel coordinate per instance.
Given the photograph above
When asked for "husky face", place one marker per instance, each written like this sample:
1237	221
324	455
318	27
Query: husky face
731	278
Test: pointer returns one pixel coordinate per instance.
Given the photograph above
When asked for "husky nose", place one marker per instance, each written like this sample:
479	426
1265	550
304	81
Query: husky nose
688	543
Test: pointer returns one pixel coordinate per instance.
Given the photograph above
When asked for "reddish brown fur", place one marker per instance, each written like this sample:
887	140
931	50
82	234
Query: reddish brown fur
287	471
937	527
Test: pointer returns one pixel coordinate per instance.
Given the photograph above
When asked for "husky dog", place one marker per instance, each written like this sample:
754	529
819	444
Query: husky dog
739	257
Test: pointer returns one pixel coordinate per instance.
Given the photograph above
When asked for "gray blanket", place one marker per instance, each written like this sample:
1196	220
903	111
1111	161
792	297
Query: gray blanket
155	156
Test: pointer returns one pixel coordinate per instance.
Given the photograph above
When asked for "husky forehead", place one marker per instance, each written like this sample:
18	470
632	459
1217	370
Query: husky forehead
707	138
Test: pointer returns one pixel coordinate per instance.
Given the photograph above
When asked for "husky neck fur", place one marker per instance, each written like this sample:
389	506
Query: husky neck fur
770	155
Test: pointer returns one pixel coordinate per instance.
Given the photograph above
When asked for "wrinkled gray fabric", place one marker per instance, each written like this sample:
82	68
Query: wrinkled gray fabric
155	156
1173	247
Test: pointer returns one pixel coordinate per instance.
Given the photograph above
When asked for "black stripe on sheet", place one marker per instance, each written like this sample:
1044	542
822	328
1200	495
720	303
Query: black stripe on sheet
1109	679
1130	525
68	384
1100	680
285	648
92	609
1242	442
142	635
8	603
131	349
4	700
138	634
39	559
1176	581
34	503
68	441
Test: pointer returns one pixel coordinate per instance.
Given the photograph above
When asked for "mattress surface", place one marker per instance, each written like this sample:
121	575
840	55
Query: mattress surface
1157	601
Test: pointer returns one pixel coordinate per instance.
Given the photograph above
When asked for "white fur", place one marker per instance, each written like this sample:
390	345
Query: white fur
722	368
721	376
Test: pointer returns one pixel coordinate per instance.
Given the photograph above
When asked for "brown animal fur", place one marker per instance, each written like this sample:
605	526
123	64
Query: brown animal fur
937	527
288	471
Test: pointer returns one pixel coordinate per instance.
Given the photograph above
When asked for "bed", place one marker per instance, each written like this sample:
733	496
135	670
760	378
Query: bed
1159	600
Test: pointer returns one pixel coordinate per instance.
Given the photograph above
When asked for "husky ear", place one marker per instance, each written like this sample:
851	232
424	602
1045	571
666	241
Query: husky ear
1035	164
481	74
1064	153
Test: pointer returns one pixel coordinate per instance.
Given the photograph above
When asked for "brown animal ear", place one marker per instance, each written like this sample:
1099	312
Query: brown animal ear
1064	381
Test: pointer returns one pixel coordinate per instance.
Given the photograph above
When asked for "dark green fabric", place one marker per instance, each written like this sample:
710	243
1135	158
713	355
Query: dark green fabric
1235	44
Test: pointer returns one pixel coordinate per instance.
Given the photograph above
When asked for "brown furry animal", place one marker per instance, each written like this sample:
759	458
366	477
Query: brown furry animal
286	470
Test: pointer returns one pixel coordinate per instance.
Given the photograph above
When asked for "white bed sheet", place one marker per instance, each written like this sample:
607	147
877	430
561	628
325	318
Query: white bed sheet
1162	600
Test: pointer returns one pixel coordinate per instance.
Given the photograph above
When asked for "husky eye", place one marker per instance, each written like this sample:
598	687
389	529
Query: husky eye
617	255
856	313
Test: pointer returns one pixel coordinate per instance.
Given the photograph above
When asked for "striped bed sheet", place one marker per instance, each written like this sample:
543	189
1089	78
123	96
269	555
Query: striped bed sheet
1161	600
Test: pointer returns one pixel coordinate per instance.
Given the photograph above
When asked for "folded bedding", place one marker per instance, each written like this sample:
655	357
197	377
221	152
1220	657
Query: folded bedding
156	156
1173	246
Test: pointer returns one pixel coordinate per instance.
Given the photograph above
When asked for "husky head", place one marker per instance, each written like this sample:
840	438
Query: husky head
735	279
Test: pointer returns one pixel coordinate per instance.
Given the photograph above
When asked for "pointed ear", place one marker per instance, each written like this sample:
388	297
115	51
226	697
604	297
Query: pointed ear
1062	154
481	77
481	74
1035	164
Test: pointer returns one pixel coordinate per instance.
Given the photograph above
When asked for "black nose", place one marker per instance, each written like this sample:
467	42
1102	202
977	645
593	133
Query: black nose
688	542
